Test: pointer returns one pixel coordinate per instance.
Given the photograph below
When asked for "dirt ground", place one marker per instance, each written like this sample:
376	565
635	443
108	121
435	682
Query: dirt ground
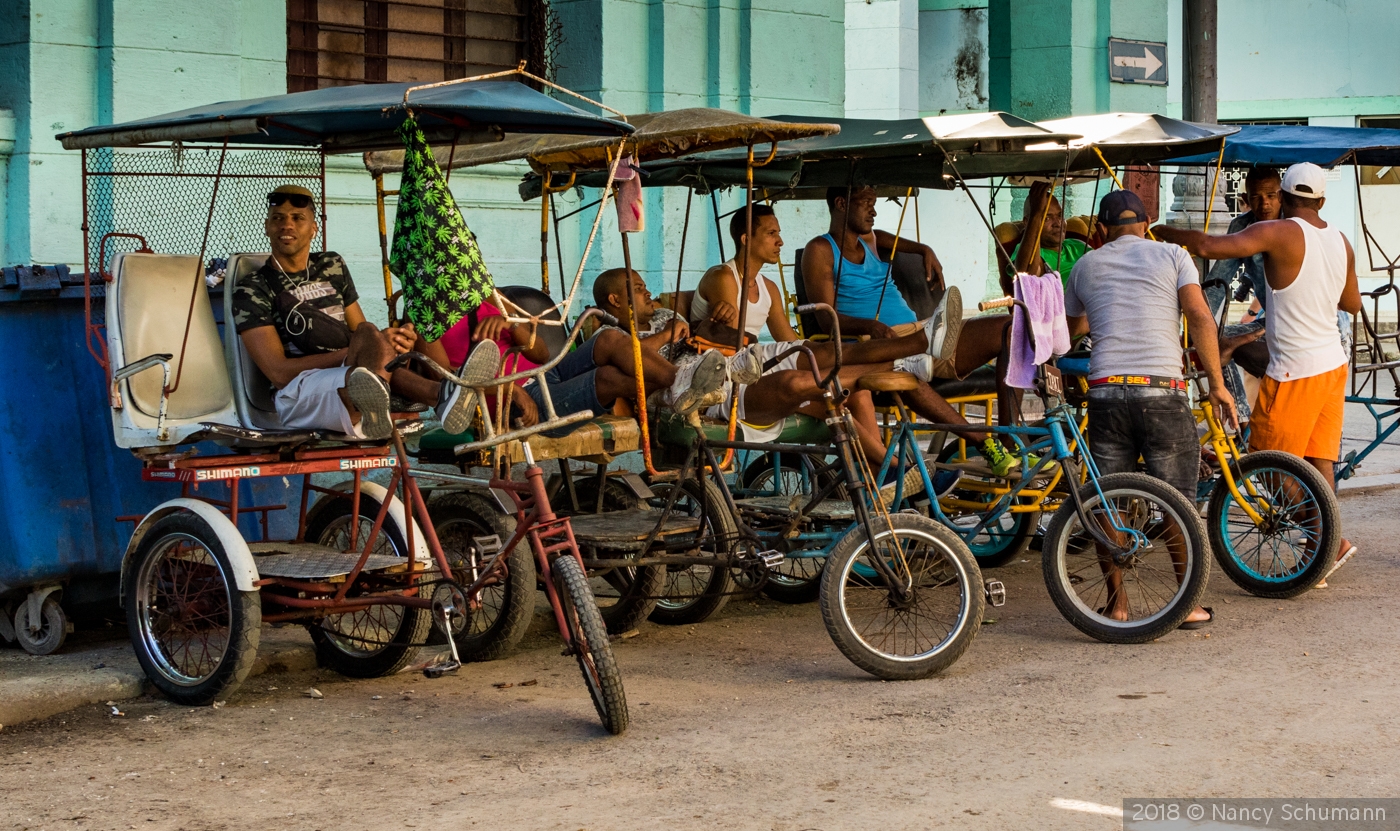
753	720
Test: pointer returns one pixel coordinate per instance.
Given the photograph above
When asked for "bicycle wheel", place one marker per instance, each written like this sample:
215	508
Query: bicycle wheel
1001	541
589	642
914	637
1295	545
379	640
694	593
797	579
1159	582
195	634
505	603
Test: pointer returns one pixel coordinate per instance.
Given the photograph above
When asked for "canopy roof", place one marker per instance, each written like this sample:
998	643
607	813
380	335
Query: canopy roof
902	152
659	136
1132	138
1277	144
361	117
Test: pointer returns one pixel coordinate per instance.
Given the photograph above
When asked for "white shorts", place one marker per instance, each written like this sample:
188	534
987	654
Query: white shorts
312	402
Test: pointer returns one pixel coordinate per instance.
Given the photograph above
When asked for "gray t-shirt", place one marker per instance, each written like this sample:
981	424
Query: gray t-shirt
1128	290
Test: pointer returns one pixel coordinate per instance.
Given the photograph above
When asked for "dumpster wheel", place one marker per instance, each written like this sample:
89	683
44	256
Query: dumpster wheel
47	633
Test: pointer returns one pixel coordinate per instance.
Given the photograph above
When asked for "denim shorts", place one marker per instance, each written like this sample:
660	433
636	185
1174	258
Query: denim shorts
1152	424
572	384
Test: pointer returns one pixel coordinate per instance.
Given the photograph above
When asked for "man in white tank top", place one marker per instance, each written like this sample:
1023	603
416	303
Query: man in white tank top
1311	272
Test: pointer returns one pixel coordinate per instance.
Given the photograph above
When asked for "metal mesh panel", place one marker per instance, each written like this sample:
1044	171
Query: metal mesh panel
163	194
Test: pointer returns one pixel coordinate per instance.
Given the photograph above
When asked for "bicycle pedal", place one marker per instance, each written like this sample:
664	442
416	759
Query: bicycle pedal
439	670
488	545
996	593
772	558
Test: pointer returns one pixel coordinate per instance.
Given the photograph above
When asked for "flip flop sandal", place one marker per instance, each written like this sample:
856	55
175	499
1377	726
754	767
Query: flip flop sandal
1342	560
370	395
1200	624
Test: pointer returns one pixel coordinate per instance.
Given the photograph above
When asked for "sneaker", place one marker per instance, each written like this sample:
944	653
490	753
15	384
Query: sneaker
457	402
745	367
945	327
370	395
1003	461
920	366
697	380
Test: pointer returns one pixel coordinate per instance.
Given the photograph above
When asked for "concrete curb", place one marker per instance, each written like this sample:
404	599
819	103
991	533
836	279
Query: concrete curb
1364	484
41	696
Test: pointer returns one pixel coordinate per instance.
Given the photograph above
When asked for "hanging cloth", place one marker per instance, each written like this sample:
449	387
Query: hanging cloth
434	255
1044	297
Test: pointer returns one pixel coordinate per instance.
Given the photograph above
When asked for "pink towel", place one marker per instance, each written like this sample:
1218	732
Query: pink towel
631	218
1044	297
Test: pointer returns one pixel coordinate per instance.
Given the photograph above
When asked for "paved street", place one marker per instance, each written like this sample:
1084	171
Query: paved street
753	720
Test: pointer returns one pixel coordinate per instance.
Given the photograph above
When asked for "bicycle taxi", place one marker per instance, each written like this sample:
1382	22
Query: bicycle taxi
735	535
361	566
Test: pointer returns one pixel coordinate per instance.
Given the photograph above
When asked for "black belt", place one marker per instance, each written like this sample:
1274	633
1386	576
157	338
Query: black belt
1158	381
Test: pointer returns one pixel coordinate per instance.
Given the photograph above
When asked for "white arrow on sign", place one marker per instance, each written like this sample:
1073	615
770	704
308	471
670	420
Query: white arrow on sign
1148	63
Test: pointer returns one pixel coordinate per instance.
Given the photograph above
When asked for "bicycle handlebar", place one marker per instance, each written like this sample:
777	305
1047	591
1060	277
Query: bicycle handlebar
999	303
812	308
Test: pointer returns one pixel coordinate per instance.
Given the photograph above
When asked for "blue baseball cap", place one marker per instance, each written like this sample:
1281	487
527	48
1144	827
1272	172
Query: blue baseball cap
1116	203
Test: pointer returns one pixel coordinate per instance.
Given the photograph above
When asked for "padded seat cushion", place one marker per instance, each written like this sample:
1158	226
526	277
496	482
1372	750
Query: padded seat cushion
889	381
673	430
154	295
603	436
981	381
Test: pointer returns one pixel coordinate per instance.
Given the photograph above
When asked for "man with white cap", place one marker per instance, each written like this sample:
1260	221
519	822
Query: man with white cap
1311	273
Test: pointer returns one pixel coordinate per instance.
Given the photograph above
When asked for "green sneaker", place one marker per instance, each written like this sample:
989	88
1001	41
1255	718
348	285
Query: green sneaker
1002	461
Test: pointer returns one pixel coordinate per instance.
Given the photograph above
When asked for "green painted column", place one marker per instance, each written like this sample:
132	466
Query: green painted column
1049	58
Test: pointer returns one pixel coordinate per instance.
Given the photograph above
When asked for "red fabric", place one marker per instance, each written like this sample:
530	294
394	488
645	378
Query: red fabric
457	341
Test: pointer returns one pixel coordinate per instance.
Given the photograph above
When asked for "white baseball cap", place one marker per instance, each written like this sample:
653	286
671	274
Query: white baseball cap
1306	180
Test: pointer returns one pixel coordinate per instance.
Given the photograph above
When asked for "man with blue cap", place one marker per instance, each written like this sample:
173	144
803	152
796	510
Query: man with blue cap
1131	293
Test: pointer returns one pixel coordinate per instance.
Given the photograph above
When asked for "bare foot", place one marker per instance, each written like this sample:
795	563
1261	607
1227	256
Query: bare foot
1198	615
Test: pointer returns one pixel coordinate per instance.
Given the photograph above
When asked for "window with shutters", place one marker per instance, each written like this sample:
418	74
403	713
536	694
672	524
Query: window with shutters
342	42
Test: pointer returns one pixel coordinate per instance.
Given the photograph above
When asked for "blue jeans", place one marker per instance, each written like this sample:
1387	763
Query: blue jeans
1127	423
572	384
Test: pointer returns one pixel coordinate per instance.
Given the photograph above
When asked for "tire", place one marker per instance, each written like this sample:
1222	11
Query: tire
798	579
194	633
1000	542
382	639
507	604
692	594
53	627
590	643
945	576
1158	601
1269	561
625	596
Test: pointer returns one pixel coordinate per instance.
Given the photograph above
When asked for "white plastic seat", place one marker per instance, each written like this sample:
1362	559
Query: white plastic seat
147	304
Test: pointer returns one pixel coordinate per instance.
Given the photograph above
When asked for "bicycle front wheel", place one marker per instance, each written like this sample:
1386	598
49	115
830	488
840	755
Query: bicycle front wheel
1291	549
1152	579
589	643
915	635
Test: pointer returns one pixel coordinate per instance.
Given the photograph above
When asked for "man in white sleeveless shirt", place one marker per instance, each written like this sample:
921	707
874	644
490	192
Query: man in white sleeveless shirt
1311	273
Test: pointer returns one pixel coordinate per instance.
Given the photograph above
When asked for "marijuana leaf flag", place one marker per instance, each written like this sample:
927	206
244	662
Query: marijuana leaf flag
434	254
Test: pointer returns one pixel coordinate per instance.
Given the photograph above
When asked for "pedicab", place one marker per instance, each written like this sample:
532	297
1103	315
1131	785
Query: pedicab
921	569
1272	565
364	570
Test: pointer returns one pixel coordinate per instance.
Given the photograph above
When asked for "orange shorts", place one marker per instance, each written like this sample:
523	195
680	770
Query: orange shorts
1302	417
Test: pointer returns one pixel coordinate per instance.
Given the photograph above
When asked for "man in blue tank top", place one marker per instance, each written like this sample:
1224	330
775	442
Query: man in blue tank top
843	268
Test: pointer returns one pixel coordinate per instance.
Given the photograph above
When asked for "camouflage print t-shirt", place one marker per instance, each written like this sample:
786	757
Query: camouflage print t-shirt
324	287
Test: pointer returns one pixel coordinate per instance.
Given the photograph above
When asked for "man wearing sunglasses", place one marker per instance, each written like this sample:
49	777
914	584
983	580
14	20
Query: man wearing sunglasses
300	319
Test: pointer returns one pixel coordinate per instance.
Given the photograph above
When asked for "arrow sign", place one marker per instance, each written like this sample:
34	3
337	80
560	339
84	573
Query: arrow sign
1137	62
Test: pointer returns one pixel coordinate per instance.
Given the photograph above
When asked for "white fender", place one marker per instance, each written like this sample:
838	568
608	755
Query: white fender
245	570
396	512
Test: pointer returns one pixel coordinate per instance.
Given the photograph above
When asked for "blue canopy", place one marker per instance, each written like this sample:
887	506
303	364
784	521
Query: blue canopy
1280	144
361	117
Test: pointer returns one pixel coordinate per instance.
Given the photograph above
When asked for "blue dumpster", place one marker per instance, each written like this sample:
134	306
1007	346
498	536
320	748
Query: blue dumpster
63	482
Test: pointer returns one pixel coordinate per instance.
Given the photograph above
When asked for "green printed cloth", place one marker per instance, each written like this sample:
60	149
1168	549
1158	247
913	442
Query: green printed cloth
434	254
